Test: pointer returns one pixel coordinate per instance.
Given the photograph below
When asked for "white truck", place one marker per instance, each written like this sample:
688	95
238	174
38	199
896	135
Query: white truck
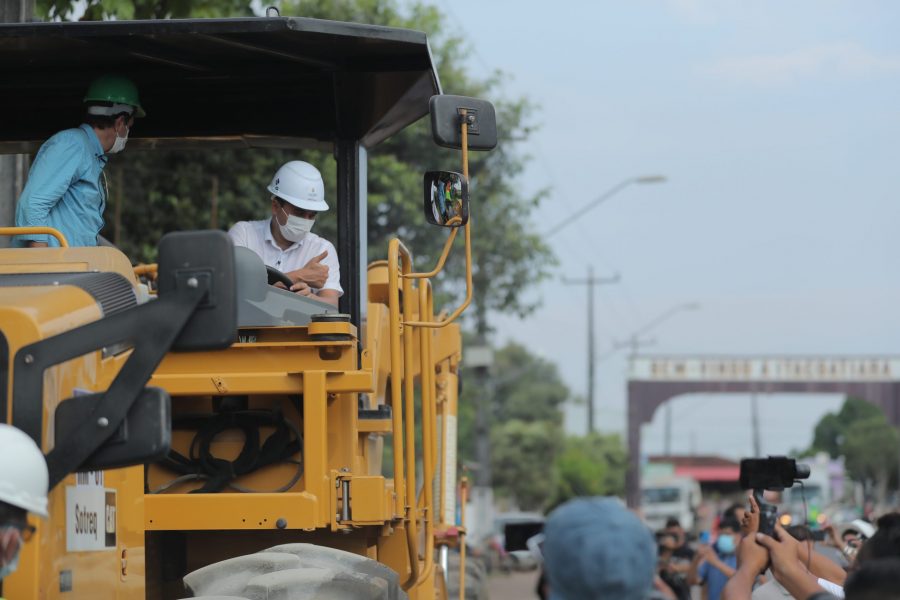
670	497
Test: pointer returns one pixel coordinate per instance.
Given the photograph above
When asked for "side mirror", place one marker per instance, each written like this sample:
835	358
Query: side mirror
207	257
446	114
446	201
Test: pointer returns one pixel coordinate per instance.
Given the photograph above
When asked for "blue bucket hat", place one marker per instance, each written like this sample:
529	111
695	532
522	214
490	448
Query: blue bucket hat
595	549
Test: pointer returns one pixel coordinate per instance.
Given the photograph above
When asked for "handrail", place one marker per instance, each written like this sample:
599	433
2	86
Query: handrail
426	313
444	253
403	384
463	498
409	421
150	270
63	242
445	417
396	252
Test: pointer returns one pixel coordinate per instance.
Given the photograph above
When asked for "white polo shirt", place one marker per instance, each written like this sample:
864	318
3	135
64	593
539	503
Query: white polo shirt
257	236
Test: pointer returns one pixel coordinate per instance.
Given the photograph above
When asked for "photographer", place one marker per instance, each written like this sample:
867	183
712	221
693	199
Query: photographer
713	566
668	566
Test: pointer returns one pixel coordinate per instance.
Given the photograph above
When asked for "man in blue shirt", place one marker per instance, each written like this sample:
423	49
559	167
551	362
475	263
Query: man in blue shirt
66	188
719	563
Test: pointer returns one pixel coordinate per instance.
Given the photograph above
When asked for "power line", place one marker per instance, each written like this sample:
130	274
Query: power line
643	179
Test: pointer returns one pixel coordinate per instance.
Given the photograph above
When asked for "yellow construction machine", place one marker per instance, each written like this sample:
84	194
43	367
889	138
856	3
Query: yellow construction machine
208	434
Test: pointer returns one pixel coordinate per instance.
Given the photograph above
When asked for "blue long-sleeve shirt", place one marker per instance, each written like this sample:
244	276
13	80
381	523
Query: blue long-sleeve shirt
65	189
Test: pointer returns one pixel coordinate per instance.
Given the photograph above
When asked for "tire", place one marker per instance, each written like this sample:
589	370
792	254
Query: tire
476	578
295	572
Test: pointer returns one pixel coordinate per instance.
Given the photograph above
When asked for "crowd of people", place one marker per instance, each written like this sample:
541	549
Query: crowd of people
595	548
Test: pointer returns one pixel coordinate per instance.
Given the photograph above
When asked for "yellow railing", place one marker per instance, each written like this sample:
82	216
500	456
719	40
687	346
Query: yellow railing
63	242
409	293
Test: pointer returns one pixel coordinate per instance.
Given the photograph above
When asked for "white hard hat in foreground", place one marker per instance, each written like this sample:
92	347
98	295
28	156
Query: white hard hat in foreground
23	471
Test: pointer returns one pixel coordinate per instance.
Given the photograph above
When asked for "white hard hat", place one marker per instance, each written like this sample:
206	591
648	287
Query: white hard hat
23	471
301	184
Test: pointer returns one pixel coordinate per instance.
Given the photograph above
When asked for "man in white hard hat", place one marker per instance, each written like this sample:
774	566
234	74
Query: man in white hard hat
23	490
285	240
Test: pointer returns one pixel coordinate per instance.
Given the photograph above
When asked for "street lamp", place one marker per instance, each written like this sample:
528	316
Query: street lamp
641	180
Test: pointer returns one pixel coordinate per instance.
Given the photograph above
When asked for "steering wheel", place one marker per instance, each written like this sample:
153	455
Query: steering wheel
275	276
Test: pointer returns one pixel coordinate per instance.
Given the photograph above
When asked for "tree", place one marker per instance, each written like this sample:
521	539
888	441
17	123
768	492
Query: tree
526	424
592	465
871	447
97	10
861	434
831	429
523	465
525	388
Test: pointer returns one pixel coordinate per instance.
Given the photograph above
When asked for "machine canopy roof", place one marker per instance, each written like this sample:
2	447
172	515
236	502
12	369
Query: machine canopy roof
254	81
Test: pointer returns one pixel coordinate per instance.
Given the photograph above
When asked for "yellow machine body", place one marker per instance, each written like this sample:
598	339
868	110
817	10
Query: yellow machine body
341	452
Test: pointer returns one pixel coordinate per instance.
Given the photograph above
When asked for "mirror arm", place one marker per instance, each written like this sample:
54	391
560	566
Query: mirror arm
469	291
444	253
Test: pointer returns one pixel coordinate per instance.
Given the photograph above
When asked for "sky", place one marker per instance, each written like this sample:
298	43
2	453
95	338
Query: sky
777	126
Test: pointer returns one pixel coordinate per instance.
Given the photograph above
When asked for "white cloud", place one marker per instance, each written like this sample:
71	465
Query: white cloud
841	60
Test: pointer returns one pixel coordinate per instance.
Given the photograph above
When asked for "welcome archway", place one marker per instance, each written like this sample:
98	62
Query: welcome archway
655	379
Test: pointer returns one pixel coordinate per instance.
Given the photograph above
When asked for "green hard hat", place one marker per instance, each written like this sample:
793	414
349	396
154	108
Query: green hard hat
113	88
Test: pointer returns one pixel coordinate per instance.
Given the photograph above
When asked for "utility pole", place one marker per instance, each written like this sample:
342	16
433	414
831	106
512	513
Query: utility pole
754	419
590	282
667	444
12	166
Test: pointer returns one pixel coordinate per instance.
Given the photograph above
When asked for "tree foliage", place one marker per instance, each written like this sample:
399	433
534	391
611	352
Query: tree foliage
533	464
869	444
97	10
831	430
522	455
592	465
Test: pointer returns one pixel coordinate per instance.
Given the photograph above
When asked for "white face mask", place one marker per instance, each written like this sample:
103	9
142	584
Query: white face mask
296	227
120	142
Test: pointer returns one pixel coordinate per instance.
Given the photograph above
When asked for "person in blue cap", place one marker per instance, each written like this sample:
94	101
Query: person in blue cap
66	188
595	549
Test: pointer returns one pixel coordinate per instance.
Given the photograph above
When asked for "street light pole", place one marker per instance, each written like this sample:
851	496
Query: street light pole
642	180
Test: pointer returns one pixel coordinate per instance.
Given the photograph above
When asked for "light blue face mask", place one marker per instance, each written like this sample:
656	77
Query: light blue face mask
725	544
11	566
13	563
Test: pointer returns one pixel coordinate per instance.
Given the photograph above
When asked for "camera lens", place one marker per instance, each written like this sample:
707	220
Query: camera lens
801	471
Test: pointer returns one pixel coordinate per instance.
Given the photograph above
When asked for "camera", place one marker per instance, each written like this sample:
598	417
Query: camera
774	473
